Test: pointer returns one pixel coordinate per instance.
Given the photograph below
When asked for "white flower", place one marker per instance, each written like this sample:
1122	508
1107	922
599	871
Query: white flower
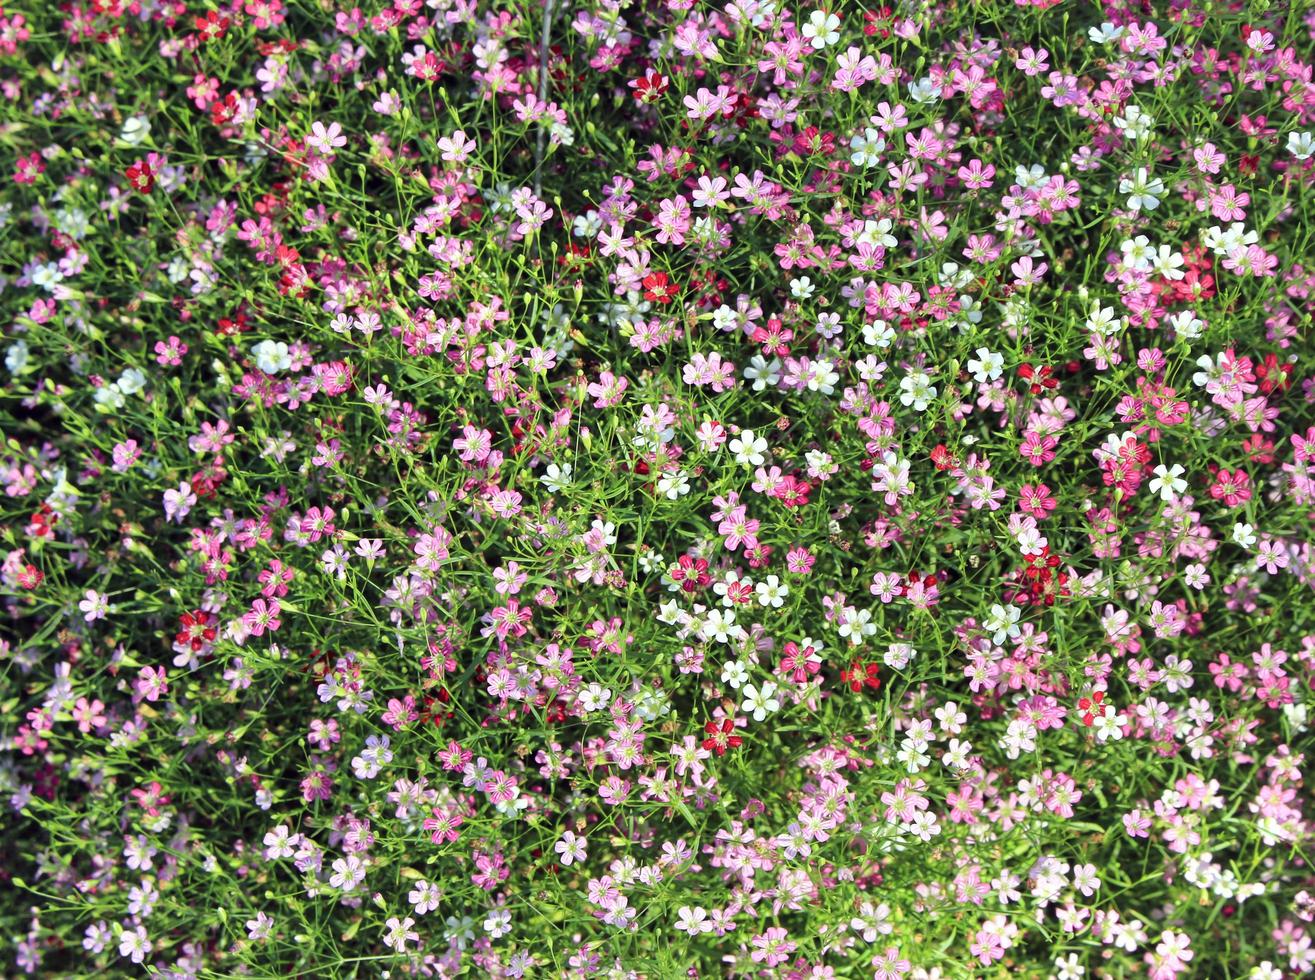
822	376
924	90
1137	252
1019	737
802	288
759	700
1003	622
132	381
987	366
1136	125
594	698
877	233
673	485
1167	262
956	754
1109	724
136	130
856	624
763	373
692	920
1069	968
872	921
135	944
498	923
1030	178
1103	319
110	397
867	147
1186	324
917	390
1167	483
587	225
272	356
771	592
749	448
734	673
1143	190
399	931
721	626
556	478
1244	535
16	357
878	334
1105	33
821	30
1301	145
950	718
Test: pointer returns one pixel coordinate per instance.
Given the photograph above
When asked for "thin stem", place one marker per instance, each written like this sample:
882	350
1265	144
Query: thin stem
544	38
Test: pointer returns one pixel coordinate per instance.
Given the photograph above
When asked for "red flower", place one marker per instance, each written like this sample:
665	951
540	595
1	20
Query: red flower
141	177
658	288
1039	377
942	458
649	86
196	629
690	573
223	111
720	738
1090	707
859	675
211	27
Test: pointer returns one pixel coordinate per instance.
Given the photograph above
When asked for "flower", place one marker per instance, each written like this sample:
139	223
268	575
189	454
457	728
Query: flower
1301	145
1166	481
987	366
1002	623
94	606
1144	192
570	848
272	356
821	29
719	737
917	390
749	449
759	701
772	592
692	921
735	673
867	147
556	477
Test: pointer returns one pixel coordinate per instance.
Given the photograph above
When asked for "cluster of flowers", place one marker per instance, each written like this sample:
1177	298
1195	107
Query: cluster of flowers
654	490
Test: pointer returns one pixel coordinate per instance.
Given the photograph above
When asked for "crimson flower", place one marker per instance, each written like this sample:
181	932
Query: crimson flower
649	86
1090	707
1039	377
658	288
196	629
943	459
859	675
720	738
141	177
211	27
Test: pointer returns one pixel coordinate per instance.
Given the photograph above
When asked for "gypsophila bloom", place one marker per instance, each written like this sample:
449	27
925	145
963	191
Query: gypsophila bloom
658	489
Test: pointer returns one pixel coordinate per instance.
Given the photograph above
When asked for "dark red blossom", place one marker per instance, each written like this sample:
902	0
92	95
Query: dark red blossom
859	675
720	738
658	288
